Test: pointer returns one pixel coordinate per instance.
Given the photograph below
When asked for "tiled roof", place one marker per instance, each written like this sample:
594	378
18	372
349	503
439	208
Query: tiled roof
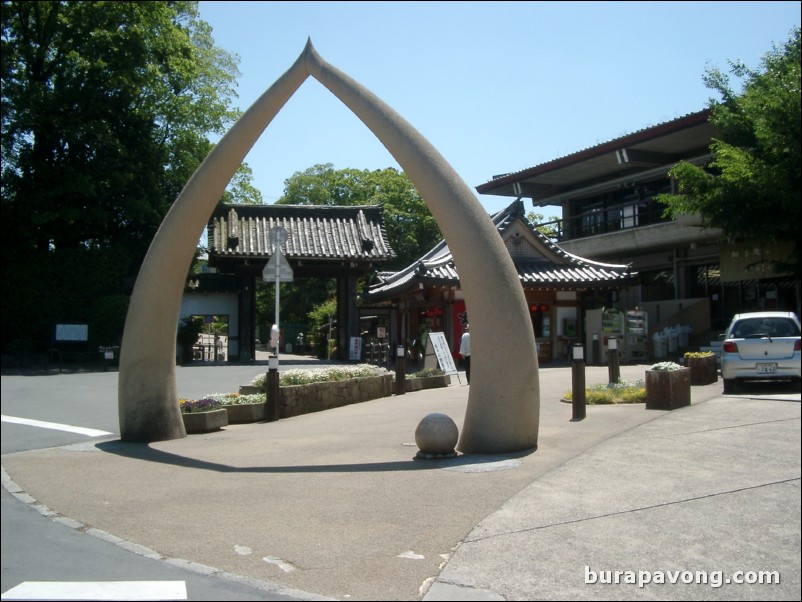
644	134
553	268
315	232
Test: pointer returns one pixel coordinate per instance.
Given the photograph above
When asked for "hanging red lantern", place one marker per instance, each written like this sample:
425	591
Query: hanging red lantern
435	312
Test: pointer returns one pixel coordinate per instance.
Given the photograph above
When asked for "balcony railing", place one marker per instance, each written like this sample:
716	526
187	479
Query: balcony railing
601	220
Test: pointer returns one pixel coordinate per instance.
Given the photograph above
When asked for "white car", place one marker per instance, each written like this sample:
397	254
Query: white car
763	345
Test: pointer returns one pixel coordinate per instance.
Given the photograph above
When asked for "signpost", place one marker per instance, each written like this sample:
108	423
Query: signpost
277	269
437	341
355	349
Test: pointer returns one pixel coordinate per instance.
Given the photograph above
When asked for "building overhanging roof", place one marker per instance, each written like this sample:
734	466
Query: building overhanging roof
549	267
642	154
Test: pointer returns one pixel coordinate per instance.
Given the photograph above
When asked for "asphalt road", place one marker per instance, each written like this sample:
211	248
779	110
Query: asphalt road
362	520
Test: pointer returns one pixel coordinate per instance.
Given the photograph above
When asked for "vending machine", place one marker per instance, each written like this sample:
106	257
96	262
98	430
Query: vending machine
637	336
602	325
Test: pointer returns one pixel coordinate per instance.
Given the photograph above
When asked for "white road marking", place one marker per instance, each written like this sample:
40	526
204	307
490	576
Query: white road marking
98	590
56	426
285	566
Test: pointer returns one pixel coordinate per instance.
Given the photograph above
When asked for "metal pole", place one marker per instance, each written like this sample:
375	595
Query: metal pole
328	341
400	370
613	366
272	392
578	383
278	294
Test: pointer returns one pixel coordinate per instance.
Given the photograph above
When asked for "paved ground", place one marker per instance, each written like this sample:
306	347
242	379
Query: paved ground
334	504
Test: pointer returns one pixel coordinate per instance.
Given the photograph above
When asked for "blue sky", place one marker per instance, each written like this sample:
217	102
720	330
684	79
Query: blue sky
497	87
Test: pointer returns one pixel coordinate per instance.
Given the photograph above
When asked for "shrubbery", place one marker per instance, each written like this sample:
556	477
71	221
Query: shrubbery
619	392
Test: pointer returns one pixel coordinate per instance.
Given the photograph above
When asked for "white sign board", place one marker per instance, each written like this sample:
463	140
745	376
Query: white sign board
437	340
355	349
277	268
278	235
72	332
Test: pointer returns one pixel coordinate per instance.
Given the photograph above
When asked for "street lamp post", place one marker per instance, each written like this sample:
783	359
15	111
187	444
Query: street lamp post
578	383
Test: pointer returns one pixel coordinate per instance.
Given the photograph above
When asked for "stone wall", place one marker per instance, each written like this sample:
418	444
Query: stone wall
315	397
430	382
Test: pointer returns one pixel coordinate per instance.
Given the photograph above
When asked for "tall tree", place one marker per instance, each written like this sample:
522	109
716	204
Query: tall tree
411	228
106	111
751	189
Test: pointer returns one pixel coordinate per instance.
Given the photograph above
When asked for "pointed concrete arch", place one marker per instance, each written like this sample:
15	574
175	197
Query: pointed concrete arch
503	402
147	397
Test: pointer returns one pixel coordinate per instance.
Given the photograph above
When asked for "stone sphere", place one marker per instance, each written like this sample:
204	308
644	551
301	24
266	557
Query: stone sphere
436	434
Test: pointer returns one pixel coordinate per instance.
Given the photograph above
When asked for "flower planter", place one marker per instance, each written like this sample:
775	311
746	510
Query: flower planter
704	370
315	397
240	413
668	389
427	382
295	400
204	422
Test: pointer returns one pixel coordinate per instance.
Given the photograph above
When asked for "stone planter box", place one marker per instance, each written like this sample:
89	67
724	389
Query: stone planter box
315	397
668	390
245	412
204	422
704	370
429	382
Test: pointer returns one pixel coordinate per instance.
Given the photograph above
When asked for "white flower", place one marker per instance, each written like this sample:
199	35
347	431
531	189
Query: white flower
666	367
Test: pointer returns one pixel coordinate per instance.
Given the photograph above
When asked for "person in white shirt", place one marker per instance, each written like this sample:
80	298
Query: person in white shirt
465	352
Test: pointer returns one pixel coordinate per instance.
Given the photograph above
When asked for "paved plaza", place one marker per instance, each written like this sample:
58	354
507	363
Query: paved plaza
334	505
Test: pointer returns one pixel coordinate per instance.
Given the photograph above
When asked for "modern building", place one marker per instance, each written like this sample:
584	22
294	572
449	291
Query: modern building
685	273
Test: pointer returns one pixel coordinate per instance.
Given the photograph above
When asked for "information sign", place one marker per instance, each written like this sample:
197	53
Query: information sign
355	349
277	268
72	332
438	343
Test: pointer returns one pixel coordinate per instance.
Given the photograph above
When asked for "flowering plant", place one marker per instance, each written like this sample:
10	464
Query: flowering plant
613	393
427	372
698	354
232	399
215	401
665	367
332	373
192	406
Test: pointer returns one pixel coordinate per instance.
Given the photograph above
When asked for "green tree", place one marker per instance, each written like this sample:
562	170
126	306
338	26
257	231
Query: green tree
319	323
751	189
241	189
549	229
106	111
411	228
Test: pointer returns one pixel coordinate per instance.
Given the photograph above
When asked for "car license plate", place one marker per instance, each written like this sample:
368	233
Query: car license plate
766	368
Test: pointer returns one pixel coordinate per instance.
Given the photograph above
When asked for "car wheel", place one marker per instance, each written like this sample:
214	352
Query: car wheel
729	385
